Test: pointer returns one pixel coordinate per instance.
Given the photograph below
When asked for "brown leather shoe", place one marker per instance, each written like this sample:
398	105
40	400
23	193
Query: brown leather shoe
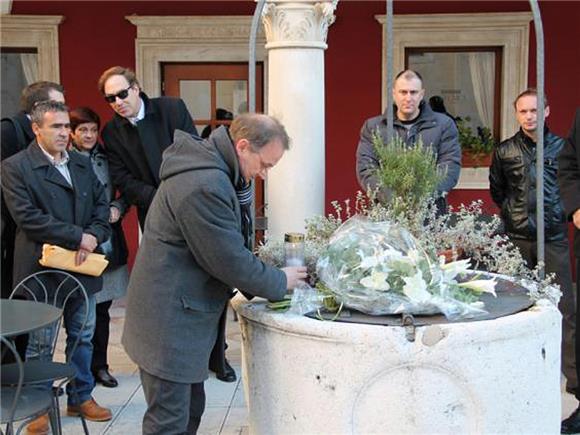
91	411
38	426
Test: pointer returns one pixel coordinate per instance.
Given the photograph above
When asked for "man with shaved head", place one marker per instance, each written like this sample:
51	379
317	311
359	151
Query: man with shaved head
413	121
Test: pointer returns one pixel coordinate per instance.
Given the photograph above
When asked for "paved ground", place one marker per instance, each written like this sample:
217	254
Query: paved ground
225	413
225	409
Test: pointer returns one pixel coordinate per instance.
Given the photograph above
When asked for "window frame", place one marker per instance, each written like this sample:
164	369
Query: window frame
39	32
509	30
497	51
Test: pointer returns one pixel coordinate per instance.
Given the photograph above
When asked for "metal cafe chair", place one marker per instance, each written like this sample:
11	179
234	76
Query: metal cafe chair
21	402
57	288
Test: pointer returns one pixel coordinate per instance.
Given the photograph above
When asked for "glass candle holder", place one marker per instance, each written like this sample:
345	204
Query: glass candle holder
294	249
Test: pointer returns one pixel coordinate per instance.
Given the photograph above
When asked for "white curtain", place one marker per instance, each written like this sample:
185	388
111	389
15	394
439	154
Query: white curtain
482	68
29	66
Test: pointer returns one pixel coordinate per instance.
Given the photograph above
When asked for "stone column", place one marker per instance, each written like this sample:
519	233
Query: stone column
296	39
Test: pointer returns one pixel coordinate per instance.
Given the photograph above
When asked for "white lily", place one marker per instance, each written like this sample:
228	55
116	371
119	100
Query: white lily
367	261
480	285
390	253
376	281
414	255
415	288
454	268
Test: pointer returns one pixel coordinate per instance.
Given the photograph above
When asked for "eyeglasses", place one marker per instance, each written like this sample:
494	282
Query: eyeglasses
121	94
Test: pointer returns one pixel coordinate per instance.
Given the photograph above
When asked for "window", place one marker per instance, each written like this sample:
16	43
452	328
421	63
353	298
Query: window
19	68
468	79
214	93
507	31
29	52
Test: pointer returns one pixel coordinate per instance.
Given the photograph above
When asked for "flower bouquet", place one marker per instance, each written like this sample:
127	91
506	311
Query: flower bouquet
380	268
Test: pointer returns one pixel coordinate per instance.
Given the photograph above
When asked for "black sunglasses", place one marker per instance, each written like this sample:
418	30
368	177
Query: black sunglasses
121	94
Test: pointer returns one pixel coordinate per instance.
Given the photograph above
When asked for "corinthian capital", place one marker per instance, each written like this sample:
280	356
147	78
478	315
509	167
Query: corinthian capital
298	23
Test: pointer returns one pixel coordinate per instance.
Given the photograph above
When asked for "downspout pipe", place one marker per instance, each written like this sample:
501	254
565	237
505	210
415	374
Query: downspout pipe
540	141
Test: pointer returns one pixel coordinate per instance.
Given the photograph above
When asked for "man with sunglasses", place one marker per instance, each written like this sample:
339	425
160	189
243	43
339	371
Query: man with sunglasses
135	139
138	134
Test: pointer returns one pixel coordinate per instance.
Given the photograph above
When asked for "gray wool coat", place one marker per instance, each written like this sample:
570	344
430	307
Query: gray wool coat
191	257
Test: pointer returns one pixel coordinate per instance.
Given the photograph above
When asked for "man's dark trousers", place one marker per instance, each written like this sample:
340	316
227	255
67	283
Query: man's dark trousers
172	408
557	261
577	341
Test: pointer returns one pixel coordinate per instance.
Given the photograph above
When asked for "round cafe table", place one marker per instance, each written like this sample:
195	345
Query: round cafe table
20	316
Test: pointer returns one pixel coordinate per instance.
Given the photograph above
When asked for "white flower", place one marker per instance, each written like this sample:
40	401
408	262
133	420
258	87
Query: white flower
376	281
454	268
367	262
415	288
392	255
414	256
480	285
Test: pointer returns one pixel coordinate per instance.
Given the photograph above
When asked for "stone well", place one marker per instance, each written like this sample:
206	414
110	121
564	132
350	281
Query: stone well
305	376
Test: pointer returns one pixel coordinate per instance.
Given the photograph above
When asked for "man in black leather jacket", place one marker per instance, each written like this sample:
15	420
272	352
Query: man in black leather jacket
512	184
569	178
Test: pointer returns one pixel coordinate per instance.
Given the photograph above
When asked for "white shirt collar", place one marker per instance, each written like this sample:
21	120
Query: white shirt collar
140	114
63	161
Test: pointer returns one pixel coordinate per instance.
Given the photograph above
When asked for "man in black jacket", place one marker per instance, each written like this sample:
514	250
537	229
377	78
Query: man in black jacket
16	134
569	178
414	121
136	137
512	184
56	198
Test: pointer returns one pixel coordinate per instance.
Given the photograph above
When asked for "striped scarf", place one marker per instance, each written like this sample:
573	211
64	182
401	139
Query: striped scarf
245	197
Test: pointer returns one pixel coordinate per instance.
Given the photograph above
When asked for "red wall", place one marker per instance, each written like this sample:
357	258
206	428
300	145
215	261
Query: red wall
95	35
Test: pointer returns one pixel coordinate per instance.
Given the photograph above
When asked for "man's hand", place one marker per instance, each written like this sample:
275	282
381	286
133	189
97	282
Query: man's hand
80	257
88	243
114	215
576	219
294	275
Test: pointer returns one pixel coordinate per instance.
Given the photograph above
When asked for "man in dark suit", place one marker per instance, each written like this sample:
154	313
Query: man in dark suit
16	134
56	198
569	179
138	134
135	139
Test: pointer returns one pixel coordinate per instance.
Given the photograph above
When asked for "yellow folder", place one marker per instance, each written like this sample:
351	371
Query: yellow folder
56	257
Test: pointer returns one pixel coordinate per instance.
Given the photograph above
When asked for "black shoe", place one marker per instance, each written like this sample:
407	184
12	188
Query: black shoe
228	375
572	423
103	377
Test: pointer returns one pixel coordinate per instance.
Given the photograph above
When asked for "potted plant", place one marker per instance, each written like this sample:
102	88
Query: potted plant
476	148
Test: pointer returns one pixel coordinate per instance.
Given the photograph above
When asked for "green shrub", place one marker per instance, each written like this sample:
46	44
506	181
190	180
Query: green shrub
408	175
